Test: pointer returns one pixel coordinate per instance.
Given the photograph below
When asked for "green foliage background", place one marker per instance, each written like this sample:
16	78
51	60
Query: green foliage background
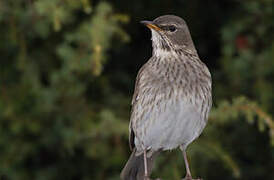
67	71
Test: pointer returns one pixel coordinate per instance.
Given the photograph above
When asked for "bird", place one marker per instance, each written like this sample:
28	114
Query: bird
172	98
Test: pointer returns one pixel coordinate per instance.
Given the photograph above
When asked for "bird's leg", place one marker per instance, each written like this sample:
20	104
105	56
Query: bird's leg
145	165
188	174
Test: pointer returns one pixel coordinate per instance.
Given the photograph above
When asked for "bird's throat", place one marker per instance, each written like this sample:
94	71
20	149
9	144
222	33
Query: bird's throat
160	45
160	52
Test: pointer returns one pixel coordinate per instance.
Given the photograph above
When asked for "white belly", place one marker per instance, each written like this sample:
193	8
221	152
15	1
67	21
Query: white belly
168	126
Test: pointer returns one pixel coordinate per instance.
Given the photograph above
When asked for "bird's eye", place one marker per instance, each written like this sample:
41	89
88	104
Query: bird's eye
172	28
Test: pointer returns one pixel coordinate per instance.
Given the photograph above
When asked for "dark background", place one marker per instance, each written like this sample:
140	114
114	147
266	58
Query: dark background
67	74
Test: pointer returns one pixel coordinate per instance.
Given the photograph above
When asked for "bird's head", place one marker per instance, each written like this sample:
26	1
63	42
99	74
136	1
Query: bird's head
170	32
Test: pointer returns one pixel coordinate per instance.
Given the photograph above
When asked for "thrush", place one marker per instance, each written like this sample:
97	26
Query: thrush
171	100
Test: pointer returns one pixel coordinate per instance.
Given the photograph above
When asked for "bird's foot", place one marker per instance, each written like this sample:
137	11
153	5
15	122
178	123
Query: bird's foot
188	177
146	178
153	179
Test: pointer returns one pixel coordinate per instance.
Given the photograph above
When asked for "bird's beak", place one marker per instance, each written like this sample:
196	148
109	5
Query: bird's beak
151	25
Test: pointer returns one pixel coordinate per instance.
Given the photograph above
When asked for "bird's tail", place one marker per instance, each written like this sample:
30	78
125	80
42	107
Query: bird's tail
134	169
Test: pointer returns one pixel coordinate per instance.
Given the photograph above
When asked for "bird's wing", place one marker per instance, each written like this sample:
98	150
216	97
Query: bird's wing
136	88
133	101
131	138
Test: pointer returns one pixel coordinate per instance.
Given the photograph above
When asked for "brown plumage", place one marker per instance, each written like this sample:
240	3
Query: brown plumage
172	97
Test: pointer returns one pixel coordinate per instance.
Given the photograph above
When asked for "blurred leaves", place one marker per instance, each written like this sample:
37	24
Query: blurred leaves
87	46
241	106
248	47
53	57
